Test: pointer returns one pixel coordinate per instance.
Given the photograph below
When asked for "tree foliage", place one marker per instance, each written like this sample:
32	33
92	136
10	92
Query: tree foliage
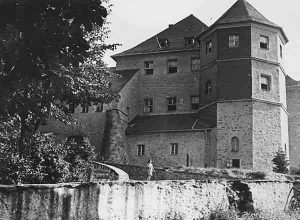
44	159
281	162
51	56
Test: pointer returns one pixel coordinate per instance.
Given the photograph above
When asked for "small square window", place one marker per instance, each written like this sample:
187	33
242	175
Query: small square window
99	107
85	107
71	108
189	41
264	42
208	87
172	66
171	104
236	163
234	40
148	105
148	67
141	149
208	47
265	82
174	148
195	63
194	102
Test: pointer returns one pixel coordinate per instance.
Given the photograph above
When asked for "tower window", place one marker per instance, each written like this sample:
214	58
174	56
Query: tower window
264	42
236	163
148	67
208	47
234	40
171	104
265	82
281	51
208	87
235	144
195	63
148	105
172	66
174	148
141	149
194	102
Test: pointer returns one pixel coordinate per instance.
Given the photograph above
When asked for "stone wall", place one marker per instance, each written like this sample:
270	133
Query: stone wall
191	147
136	200
293	103
235	120
114	142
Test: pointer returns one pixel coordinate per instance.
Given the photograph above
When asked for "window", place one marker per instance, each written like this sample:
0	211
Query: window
281	51
194	102
264	42
189	41
99	107
195	63
236	163
208	87
172	66
174	148
171	104
235	144
265	82
148	67
148	105
208	47
71	108
234	40
141	149
85	107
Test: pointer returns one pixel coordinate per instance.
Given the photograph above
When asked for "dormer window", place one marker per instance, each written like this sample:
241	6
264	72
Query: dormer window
163	43
190	41
148	67
208	47
264	42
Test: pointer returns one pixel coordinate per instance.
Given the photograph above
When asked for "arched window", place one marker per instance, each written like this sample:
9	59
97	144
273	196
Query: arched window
235	144
208	87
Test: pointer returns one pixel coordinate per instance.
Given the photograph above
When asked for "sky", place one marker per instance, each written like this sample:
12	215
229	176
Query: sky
134	21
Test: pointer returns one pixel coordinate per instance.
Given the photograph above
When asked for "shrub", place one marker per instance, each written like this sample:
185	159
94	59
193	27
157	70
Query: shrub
281	162
44	160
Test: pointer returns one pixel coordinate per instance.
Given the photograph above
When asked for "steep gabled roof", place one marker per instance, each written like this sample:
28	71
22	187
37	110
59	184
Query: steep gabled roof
242	11
120	78
175	34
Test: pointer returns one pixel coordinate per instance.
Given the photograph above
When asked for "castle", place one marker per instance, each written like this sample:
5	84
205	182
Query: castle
200	96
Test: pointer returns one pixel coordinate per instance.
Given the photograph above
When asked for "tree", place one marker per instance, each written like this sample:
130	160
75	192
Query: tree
50	56
281	162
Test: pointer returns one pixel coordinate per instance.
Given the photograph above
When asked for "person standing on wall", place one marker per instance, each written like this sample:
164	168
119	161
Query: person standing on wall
150	169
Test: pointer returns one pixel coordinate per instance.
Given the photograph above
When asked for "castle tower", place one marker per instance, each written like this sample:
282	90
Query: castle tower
243	75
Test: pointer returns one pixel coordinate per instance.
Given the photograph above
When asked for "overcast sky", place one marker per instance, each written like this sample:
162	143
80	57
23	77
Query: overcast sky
133	21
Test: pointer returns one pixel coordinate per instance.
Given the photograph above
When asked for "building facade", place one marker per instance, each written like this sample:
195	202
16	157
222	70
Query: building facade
201	96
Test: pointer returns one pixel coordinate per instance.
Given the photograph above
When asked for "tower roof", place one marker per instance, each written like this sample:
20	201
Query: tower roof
174	35
242	11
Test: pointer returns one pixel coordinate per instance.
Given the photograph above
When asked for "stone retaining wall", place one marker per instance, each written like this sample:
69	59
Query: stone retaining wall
137	200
